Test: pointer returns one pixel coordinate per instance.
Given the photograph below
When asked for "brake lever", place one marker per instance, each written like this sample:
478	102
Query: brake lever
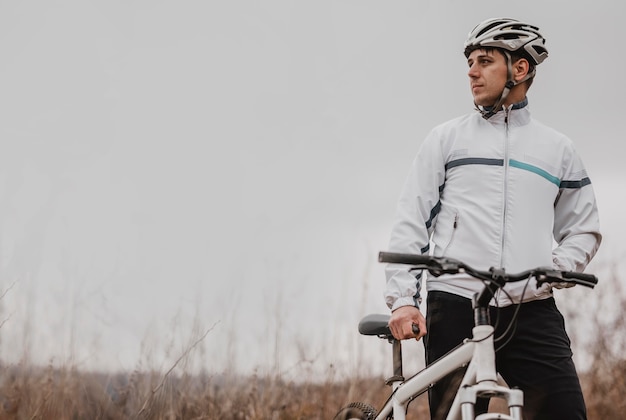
548	275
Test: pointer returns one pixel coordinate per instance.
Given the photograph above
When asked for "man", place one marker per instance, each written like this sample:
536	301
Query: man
495	188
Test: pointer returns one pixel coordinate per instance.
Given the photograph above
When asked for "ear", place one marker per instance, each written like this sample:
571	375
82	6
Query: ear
520	69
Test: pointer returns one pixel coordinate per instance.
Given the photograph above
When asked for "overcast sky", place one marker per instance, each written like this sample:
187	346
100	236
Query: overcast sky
173	167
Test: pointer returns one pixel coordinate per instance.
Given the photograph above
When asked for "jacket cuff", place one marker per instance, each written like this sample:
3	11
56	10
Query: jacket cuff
405	301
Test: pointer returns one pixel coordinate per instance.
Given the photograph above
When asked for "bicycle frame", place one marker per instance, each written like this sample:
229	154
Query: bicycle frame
480	380
477	354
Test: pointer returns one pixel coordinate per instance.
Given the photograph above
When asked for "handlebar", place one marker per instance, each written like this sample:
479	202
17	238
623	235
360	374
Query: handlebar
440	265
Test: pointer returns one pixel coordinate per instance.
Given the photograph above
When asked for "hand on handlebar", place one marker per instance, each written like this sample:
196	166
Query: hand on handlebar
545	287
403	322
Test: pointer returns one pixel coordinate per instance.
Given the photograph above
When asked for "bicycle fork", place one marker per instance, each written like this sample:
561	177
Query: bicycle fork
481	380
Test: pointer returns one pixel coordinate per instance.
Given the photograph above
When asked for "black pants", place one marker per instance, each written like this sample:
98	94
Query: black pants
536	358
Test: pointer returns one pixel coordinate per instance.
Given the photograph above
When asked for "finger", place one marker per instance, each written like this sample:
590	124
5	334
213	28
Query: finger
394	331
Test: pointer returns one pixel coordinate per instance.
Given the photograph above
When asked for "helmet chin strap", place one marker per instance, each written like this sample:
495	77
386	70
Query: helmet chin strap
488	112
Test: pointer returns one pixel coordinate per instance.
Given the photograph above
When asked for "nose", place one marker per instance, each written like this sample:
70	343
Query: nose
472	72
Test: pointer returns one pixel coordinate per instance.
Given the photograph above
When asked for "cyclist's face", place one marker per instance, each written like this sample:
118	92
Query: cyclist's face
487	74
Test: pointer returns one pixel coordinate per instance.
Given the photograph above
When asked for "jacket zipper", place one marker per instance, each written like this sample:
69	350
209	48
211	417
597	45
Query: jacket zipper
505	193
506	184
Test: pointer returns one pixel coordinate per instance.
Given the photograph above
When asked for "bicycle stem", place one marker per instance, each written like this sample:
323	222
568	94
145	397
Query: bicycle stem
481	300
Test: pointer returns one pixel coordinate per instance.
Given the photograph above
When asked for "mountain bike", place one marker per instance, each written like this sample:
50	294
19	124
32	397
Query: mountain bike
476	353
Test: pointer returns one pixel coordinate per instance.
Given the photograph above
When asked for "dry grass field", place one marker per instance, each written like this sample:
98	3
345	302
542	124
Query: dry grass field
69	394
29	392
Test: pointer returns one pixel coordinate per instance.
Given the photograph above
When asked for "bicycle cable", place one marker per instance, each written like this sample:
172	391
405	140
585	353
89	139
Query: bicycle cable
512	324
509	332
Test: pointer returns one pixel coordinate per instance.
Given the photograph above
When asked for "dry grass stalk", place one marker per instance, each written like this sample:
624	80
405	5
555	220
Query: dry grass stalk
167	374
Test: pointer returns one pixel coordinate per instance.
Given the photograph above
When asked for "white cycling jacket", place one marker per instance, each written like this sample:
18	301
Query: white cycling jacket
507	192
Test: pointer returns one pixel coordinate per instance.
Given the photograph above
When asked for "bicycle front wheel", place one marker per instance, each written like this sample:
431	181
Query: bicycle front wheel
357	411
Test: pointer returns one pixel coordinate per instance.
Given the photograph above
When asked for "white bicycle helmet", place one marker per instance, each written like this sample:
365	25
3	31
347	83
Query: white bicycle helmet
508	34
511	37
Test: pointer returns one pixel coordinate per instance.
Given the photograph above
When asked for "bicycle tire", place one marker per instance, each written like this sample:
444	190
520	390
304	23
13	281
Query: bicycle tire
356	411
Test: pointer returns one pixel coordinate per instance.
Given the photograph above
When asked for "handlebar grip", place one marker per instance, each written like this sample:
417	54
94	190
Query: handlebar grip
398	258
585	279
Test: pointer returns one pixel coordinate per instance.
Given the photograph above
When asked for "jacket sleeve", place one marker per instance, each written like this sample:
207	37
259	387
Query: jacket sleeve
415	219
576	220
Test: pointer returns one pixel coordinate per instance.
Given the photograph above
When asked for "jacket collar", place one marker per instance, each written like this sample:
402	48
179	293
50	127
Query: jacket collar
518	115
